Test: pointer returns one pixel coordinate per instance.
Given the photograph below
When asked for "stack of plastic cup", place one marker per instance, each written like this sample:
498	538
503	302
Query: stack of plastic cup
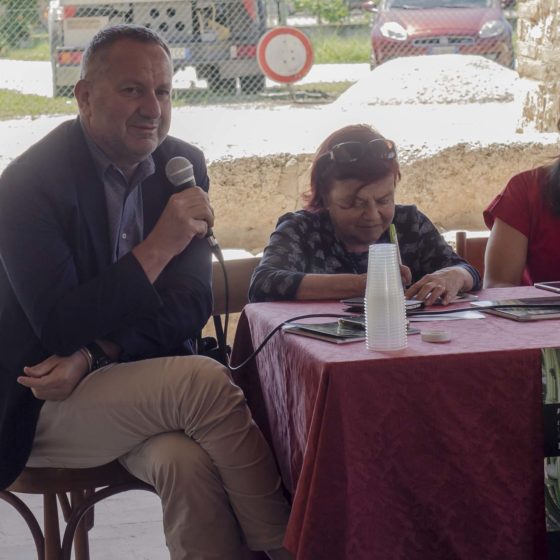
384	300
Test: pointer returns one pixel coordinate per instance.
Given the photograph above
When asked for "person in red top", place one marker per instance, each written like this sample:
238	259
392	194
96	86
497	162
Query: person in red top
524	244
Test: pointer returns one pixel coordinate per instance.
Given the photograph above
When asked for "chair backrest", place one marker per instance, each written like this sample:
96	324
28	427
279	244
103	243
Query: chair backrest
472	248
239	270
239	266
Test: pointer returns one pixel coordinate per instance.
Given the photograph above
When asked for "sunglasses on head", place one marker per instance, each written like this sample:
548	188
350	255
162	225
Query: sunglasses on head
349	152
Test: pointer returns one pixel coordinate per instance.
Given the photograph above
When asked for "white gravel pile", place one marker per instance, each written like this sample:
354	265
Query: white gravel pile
425	104
430	103
442	79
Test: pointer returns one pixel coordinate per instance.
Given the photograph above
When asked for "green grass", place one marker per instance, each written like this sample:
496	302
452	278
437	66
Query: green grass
330	48
326	91
14	104
38	50
329	89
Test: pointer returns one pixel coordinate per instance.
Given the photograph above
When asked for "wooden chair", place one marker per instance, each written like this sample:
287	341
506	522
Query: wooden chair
78	490
472	248
86	487
239	267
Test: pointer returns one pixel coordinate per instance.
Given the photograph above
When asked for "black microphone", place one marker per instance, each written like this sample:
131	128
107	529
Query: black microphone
180	173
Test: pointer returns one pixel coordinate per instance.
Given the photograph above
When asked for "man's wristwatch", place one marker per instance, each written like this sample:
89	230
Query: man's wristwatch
98	357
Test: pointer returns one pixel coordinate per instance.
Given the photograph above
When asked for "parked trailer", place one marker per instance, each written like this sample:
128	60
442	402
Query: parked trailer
218	38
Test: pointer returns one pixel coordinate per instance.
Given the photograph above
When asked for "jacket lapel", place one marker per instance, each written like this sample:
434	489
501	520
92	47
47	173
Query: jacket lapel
91	197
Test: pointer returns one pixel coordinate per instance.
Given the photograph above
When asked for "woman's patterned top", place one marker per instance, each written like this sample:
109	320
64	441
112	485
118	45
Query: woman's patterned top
305	242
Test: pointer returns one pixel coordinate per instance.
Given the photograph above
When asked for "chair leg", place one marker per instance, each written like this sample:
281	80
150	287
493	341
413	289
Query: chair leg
80	511
29	518
81	544
65	507
89	518
52	531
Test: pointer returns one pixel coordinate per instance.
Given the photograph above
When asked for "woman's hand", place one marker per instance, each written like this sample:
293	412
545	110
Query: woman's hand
55	378
331	286
445	284
406	275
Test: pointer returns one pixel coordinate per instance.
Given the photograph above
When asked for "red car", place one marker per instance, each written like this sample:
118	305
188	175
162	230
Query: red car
416	27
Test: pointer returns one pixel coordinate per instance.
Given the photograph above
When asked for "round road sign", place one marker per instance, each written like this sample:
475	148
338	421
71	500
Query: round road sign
285	54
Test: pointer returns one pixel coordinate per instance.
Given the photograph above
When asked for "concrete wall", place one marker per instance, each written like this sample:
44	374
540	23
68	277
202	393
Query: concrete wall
451	187
538	48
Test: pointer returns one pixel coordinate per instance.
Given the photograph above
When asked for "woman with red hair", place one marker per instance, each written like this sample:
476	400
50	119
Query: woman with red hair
321	252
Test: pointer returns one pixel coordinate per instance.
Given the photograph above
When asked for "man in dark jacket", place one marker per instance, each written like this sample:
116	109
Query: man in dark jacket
105	279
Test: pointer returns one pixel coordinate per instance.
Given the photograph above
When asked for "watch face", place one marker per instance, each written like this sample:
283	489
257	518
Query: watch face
100	359
101	362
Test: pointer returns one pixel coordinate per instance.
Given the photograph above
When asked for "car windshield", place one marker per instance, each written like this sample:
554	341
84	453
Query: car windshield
424	4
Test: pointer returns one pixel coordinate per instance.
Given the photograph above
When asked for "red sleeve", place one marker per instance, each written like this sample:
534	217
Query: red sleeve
513	204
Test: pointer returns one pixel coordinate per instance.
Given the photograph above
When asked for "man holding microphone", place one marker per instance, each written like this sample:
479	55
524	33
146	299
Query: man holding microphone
105	280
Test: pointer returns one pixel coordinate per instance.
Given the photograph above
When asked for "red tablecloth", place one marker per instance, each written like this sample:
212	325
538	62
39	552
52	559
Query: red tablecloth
433	452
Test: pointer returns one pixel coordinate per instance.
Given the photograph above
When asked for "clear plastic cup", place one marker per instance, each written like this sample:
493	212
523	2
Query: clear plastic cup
384	300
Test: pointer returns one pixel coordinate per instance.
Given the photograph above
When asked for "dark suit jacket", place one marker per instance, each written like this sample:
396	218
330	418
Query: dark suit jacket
59	289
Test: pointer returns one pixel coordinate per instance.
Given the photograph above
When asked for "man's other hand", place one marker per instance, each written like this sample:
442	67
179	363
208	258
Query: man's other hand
55	378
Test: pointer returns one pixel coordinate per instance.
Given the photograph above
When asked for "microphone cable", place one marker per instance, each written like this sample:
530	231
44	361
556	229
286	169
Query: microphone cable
255	352
222	337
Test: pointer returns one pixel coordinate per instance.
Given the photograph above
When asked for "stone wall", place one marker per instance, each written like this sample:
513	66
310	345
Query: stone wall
451	187
538	58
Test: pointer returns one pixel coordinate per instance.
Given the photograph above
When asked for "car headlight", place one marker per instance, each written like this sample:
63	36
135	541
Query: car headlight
393	30
492	29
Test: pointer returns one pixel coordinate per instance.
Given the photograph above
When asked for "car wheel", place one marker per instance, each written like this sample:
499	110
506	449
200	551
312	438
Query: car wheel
252	84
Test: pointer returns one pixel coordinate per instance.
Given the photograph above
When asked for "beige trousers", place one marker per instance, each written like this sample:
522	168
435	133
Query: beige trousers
181	425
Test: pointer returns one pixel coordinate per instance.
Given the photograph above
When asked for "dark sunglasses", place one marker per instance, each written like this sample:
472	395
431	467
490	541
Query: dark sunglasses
349	152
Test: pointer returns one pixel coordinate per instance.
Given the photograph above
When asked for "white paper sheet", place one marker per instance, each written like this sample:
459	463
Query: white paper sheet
434	316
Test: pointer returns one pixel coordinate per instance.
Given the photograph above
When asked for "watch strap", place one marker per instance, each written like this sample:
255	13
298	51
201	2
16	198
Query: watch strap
98	357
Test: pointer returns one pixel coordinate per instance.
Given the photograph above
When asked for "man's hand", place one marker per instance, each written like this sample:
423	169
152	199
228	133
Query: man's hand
55	378
445	283
188	214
